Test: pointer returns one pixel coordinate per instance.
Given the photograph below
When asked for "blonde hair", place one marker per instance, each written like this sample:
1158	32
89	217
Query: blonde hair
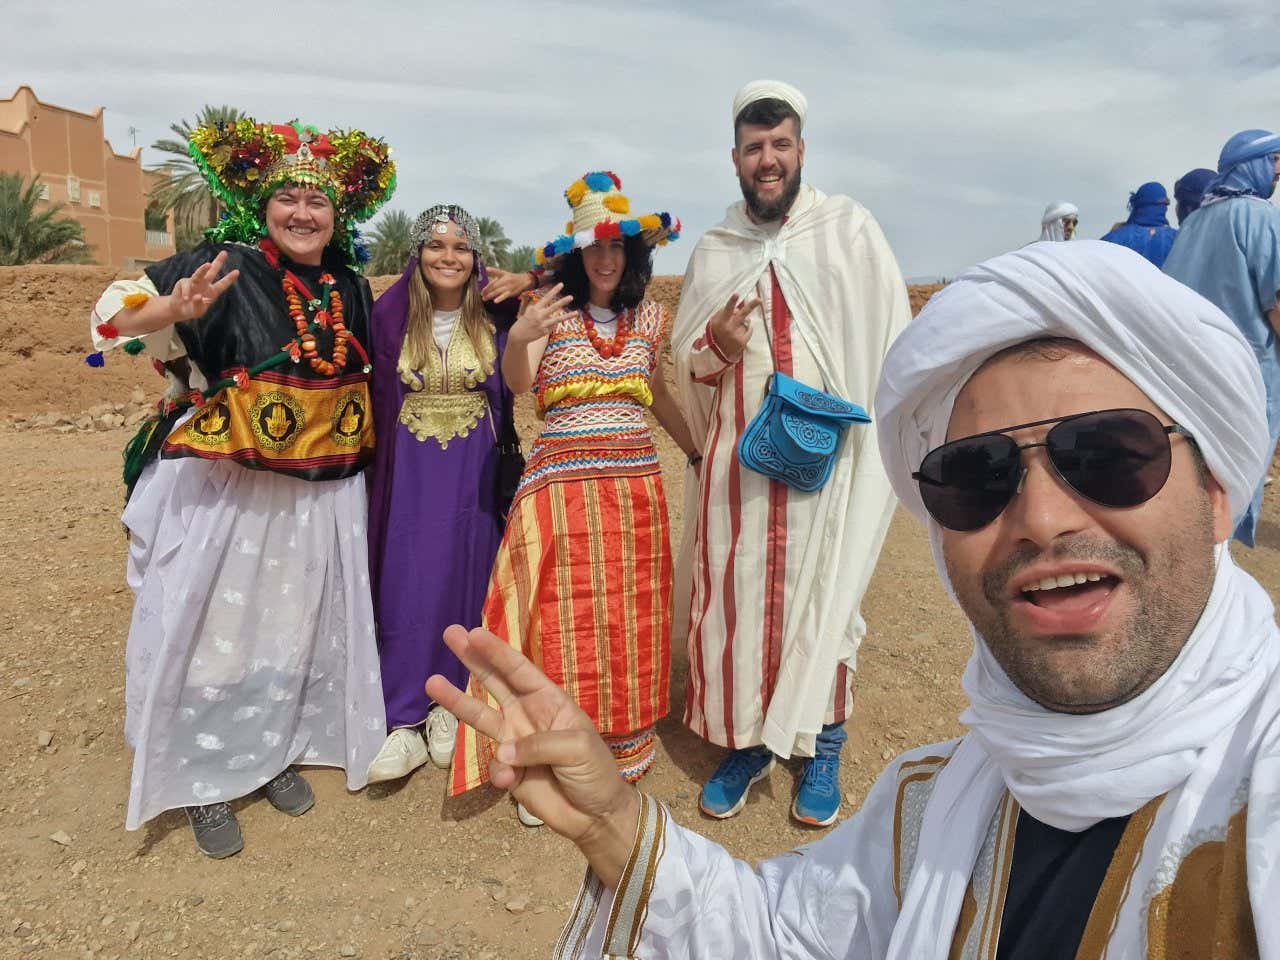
418	353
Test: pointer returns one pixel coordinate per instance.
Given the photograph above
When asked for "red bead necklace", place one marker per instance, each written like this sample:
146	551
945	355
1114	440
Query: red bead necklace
327	313
608	348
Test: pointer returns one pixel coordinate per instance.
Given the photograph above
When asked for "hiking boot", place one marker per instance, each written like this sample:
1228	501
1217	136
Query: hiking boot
442	734
216	830
401	753
289	793
726	792
817	802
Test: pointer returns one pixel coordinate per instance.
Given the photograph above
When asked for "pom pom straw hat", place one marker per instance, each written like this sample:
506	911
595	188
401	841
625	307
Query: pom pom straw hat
600	211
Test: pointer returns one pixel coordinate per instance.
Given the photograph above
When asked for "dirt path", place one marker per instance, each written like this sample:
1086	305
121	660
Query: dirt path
395	872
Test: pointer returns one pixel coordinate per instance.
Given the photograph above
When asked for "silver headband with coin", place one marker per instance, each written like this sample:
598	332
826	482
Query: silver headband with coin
436	220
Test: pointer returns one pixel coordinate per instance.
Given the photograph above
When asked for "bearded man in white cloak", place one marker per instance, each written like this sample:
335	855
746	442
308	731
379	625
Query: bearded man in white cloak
797	283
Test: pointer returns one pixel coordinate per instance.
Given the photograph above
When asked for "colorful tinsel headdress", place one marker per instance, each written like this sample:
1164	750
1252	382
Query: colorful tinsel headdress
602	212
244	161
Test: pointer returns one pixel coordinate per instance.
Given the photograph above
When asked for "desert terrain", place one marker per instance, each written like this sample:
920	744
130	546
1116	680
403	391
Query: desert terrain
396	871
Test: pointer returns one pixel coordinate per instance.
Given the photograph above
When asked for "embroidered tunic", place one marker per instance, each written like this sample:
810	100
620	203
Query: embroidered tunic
435	521
582	581
1155	885
251	645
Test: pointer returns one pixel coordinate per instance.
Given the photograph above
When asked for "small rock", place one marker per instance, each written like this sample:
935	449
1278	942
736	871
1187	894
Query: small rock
347	951
284	926
498	893
887	754
540	909
133	930
44	738
138	396
61	838
78	867
518	905
193	901
22	682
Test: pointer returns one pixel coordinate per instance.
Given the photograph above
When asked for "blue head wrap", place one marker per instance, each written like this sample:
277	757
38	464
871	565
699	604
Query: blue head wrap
1247	166
1149	205
1189	190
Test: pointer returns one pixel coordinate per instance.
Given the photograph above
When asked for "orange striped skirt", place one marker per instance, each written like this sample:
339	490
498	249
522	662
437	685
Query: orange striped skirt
582	586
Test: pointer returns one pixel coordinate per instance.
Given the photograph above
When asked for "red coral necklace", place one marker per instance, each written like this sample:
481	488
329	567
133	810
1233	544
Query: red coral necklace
326	312
608	348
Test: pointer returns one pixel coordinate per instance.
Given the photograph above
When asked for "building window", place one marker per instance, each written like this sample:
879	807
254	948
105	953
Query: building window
44	191
95	198
73	189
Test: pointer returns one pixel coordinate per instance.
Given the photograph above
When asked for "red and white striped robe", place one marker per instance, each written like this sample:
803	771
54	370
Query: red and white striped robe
774	592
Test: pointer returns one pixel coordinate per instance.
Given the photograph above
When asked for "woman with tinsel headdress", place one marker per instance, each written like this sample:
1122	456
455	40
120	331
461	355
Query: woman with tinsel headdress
252	642
446	466
582	580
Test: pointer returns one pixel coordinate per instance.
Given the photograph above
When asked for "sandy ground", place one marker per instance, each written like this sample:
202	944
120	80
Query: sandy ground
395	871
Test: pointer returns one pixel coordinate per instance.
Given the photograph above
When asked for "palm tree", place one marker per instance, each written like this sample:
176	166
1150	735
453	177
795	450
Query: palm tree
519	260
390	244
494	243
184	191
29	235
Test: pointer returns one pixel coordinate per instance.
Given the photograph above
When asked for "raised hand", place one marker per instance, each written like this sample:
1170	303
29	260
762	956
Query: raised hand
504	285
192	296
731	326
548	753
538	318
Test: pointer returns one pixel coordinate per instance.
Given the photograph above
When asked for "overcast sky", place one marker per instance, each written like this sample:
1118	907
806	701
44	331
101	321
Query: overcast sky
954	123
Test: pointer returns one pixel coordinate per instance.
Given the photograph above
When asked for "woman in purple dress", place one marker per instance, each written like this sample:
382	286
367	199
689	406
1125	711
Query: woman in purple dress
442	417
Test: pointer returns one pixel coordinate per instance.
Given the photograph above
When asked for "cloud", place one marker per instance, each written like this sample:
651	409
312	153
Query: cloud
954	123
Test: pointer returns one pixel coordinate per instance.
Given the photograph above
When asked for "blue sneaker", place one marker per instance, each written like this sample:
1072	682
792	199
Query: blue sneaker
726	792
817	802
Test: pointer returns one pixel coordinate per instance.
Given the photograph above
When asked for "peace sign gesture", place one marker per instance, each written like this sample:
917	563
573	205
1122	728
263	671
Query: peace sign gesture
192	296
731	326
548	753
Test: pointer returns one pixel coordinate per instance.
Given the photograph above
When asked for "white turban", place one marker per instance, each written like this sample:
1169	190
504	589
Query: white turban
770	90
1177	347
1051	222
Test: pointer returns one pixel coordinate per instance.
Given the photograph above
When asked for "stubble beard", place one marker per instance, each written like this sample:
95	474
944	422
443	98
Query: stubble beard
1167	604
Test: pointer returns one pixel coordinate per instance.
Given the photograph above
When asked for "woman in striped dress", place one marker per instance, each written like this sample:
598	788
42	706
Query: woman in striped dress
582	581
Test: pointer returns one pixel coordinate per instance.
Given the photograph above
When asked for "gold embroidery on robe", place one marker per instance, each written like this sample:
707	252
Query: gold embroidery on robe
277	420
1205	911
442	402
442	416
349	415
211	428
284	423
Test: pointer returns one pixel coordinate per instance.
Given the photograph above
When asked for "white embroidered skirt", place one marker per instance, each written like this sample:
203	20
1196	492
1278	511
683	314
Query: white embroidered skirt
252	644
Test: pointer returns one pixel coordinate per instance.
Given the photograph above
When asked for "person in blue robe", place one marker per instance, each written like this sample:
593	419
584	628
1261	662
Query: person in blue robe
1229	252
1189	191
1147	230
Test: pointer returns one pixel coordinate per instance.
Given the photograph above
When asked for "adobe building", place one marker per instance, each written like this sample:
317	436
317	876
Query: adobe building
105	191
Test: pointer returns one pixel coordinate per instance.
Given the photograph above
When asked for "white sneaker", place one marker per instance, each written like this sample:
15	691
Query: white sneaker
442	734
525	817
401	754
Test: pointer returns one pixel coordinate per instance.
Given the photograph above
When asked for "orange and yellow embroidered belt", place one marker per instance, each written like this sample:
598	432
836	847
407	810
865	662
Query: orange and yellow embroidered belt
312	429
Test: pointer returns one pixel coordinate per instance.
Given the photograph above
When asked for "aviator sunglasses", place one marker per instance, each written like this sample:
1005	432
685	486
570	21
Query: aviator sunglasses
1115	458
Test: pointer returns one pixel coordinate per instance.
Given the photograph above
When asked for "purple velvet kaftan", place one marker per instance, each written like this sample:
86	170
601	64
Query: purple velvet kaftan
434	521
